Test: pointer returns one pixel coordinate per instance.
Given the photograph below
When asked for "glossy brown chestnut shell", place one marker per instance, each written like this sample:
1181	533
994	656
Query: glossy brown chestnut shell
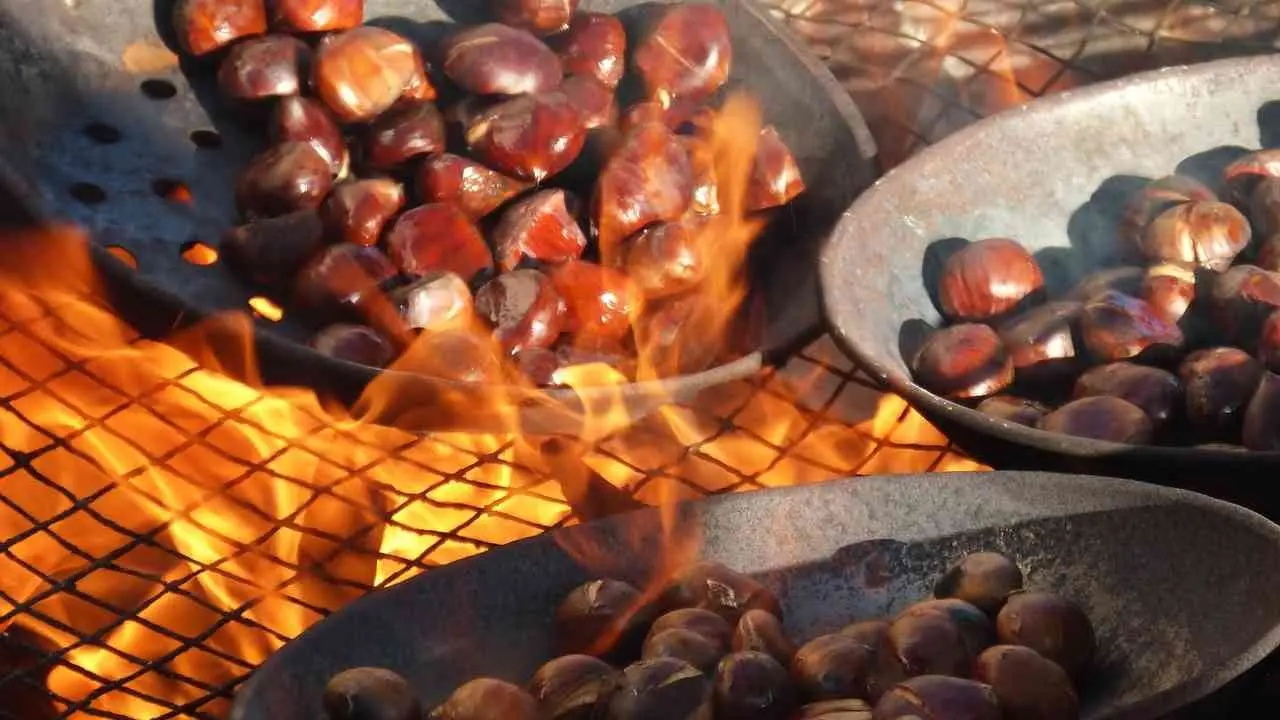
601	617
358	210
342	277
1204	234
299	119
1053	626
531	137
775	175
752	686
963	361
649	179
474	188
1028	685
537	16
496	59
1219	383
594	45
1041	341
938	697
983	579
1268	257
310	16
1157	392
1169	289
1264	207
265	67
574	687
484	698
354	343
360	73
762	631
687	645
1156	197
1126	279
594	101
714	587
1118	327
290	176
987	279
929	642
600	303
832	666
662	689
666	259
407	131
697	620
203	26
272	251
524	309
538	227
366	692
438	237
686	53
1014	409
1101	417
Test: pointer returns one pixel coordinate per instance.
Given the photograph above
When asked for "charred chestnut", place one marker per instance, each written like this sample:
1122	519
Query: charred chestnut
832	666
1160	195
1242	176
299	119
357	211
342	277
1101	418
1219	384
1204	234
844	709
434	301
1262	418
761	631
752	686
265	67
1041	341
987	279
775	176
203	26
1119	327
539	227
938	697
1028	685
594	45
1051	625
316	15
438	237
486	698
290	176
1014	409
694	648
1169	289
686	53
666	258
273	250
531	137
354	343
537	16
647	180
495	59
963	361
698	621
474	188
360	73
574	687
1242	298
982	579
405	132
1157	392
662	689
600	616
712	586
524	309
600	302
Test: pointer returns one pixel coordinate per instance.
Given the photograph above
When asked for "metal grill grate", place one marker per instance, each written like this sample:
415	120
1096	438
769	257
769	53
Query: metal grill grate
159	608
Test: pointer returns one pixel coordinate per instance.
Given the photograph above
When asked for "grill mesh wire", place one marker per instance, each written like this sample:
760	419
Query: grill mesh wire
920	70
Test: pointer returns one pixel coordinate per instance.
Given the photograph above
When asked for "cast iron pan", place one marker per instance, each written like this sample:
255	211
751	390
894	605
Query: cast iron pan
1181	587
65	66
1054	175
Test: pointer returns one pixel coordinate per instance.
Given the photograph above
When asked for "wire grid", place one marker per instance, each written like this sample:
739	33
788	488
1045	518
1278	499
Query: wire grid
345	509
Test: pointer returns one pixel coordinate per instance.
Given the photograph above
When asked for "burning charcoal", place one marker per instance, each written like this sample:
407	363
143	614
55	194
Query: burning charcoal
1041	342
435	301
929	642
752	686
288	177
357	211
265	67
1169	290
1262	418
438	238
1101	418
474	188
494	59
712	586
694	648
304	120
938	697
341	278
459	355
1242	299
595	45
974	625
524	309
531	137
831	667
273	250
1157	392
761	631
594	101
687	53
1125	280
845	709
666	258
360	73
662	689
1051	625
868	632
1119	327
600	302
574	687
316	15
1219	384
1158	196
403	133
539	227
987	279
488	699
1014	409
1204	234
536	16
1240	179
647	180
963	361
354	343
1028	686
602	618
983	579
370	694
203	26
696	620
775	176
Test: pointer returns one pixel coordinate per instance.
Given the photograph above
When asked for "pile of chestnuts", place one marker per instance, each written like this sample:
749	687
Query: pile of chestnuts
531	194
712	645
1182	347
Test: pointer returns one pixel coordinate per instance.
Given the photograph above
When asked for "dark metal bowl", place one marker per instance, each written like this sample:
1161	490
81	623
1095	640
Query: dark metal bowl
66	65
1052	174
1179	586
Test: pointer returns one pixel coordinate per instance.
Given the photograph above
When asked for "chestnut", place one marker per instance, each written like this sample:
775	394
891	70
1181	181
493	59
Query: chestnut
666	258
1204	234
486	698
360	73
290	176
1157	392
687	645
538	365
1241	177
543	17
203	26
929	642
1269	254
600	302
403	133
357	211
1219	384
983	579
829	667
354	343
1262	418
1028	685
685	53
987	279
1242	298
594	45
369	693
474	188
761	631
871	633
299	119
594	101
696	620
1126	280
438	237
752	686
1156	197
648	179
1118	327
712	586
458	355
706	177
976	629
843	709
435	301
524	309
1053	626
272	251
1169	289
1269	343
531	137
265	67
1041	341
574	687
963	361
539	227
775	177
1014	409
495	59
673	336
1101	417
662	689
600	618
309	16
344	276
1264	207
938	697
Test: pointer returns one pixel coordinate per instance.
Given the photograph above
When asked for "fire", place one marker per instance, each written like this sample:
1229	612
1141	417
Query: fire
171	522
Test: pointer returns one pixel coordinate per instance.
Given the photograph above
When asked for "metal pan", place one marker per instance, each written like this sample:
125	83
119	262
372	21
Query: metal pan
1179	585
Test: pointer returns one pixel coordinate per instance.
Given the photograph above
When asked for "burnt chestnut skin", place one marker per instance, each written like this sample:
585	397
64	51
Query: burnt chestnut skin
265	67
368	693
574	687
354	343
1101	418
983	579
594	45
686	53
1051	625
360	73
938	697
486	698
963	361
203	26
752	686
662	689
290	176
761	631
1219	384
1157	392
531	137
474	188
832	666
600	616
524	309
495	59
1028	685
987	279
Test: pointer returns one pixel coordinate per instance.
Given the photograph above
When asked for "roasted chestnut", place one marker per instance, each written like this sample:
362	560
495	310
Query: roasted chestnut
574	687
1262	418
775	176
685	54
712	586
1169	289
530	136
203	26
844	709
474	188
594	45
524	309
1264	207
485	699
868	632
930	642
1242	299
1157	392
539	227
976	629
666	258
316	15
594	101
761	631
300	119
459	355
982	579
495	59
1028	685
360	73
1269	254
987	279
357	211
438	237
696	620
537	16
706	176
435	301
403	133
1241	177
1041	341
600	302
1118	327
671	336
1219	384
273	250
265	67
1101	417
354	343
647	180
290	176
599	617
694	648
1156	197
369	693
662	689
938	697
1014	409
1126	280
538	366
1204	234
834	666
342	277
963	361
1051	625
752	686
1269	343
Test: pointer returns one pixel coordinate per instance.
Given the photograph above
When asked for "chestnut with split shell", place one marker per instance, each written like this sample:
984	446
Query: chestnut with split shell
539	227
1101	417
594	45
987	279
290	176
300	119
1204	234
963	361
1156	197
358	210
761	631
729	594
648	179
265	67
474	188
203	26
496	59
368	692
831	667
686	53
662	689
599	616
360	73
1219	384
485	698
752	686
1169	289
574	687
524	309
438	237
1118	327
1157	392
